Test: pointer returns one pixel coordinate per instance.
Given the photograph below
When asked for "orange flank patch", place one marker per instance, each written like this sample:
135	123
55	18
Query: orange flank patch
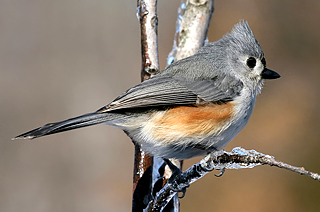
198	121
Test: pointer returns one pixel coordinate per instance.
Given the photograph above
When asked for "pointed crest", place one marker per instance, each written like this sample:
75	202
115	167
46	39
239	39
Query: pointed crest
242	40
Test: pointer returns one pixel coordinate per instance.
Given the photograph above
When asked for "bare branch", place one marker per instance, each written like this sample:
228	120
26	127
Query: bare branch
191	28
241	158
238	158
299	170
142	176
147	15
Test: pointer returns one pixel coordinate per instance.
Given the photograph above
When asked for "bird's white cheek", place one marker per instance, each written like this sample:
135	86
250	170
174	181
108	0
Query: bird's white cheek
258	70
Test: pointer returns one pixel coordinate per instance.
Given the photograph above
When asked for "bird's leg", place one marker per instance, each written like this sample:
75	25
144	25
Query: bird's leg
173	180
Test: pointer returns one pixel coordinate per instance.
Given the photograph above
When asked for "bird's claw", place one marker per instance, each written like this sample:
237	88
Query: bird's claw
221	172
178	190
172	181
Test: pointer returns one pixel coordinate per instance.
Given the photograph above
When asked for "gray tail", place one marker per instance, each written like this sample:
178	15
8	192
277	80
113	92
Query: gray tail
69	124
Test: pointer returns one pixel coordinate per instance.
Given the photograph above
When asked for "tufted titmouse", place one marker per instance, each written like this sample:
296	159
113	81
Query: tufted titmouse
195	106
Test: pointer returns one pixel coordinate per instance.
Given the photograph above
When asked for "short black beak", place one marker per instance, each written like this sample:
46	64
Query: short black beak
269	74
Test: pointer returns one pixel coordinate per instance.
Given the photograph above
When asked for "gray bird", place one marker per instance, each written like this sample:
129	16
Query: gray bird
195	106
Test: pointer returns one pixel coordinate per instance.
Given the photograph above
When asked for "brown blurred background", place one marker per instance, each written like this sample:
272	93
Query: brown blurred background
63	58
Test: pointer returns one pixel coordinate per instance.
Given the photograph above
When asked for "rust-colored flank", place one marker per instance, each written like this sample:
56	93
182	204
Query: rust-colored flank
191	121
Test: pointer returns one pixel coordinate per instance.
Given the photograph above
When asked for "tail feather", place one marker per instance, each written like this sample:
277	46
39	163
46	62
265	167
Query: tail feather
69	124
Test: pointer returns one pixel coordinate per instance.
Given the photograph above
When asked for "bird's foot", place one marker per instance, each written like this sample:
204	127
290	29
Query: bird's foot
173	181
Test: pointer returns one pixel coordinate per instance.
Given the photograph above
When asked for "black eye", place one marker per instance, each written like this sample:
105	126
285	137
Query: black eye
251	62
263	61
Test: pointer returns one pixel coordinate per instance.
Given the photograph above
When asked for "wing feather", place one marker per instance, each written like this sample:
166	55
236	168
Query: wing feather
172	87
153	92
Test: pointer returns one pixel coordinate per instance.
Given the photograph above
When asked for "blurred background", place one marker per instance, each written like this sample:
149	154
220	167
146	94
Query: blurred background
63	58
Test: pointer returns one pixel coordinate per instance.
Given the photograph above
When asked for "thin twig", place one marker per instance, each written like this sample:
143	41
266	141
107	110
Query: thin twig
299	170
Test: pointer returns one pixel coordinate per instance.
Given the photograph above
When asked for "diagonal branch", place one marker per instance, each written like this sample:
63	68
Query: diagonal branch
238	158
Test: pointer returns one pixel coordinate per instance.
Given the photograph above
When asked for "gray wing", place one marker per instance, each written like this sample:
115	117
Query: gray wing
156	91
165	90
181	83
220	88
